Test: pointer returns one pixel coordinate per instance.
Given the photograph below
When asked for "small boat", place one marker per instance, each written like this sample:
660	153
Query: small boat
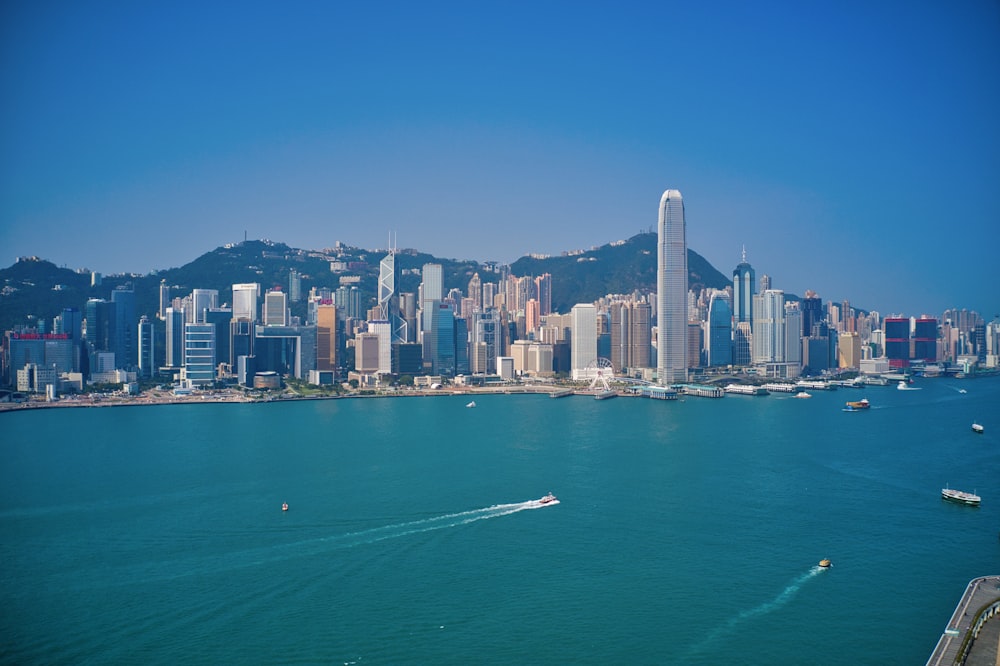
962	391
904	386
802	394
952	495
284	506
471	404
548	499
977	428
825	563
858	404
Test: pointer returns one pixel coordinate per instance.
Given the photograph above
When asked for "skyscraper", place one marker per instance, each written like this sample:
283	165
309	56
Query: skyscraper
388	298
744	288
174	338
202	300
671	290
245	298
475	293
199	354
147	365
125	327
769	327
275	308
583	349
294	286
326	337
543	288
720	330
164	299
432	293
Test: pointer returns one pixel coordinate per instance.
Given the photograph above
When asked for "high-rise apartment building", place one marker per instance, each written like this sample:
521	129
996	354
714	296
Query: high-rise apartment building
543	289
164	300
631	332
671	290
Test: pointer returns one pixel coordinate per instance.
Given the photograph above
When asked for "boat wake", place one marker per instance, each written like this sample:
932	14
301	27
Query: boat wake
428	524
153	569
732	623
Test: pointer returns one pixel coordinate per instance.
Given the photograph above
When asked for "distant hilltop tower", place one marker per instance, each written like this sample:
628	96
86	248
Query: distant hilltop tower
671	290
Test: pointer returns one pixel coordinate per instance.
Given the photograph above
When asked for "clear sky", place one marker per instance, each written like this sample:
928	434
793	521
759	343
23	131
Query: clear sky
853	147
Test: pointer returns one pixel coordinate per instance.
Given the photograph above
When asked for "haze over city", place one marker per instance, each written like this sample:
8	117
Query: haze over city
853	149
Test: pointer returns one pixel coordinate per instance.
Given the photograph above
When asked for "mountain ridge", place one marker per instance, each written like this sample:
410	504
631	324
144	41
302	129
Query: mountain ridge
35	289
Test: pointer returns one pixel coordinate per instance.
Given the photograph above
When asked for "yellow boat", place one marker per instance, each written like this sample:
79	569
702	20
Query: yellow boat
825	563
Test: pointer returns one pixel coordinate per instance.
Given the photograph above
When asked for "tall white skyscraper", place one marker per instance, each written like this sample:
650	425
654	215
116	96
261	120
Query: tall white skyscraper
671	290
583	344
245	297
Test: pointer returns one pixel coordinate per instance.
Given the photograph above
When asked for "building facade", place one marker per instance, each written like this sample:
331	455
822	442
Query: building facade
671	290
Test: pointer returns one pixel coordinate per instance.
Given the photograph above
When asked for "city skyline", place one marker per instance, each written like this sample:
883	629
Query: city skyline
852	150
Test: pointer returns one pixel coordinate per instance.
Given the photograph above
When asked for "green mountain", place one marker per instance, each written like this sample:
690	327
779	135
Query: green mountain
616	268
35	289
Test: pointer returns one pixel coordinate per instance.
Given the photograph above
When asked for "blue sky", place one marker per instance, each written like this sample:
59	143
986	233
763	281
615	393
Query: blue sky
853	147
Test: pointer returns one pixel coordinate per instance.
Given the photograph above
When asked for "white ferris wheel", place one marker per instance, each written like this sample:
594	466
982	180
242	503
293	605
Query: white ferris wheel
602	373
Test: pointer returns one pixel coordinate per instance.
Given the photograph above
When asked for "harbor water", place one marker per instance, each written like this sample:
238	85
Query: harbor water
687	532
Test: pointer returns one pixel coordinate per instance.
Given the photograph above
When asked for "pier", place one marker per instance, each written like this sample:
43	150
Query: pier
659	393
980	603
702	391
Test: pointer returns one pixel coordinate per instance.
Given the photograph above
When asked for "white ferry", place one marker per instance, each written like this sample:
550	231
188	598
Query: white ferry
746	389
959	496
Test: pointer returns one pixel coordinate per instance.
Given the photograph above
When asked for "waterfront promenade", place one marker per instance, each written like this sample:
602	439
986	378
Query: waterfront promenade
967	628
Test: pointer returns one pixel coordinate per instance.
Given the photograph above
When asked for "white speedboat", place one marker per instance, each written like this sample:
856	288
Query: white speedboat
802	394
548	499
977	428
471	404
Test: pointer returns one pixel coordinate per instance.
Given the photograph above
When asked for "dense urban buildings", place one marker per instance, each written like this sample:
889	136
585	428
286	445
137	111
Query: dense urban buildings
489	325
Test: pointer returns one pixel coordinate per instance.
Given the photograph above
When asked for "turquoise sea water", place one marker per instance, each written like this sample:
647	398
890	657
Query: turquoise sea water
687	532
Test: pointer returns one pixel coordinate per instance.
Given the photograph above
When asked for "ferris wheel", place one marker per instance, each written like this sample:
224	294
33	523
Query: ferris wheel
602	373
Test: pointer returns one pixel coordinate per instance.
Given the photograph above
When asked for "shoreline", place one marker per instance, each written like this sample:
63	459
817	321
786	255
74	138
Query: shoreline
239	399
